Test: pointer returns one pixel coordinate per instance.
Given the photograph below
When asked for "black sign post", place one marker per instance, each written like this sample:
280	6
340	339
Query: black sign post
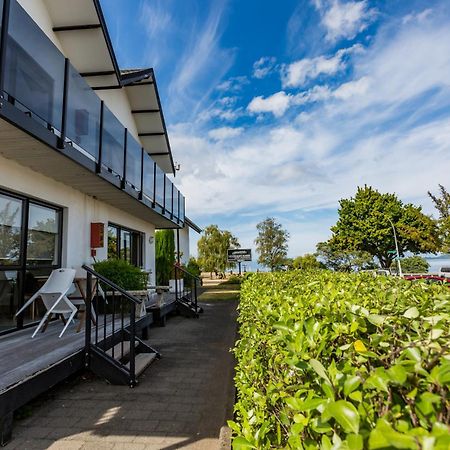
237	255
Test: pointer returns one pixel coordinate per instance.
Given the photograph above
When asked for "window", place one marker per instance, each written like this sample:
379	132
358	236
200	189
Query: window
125	244
30	248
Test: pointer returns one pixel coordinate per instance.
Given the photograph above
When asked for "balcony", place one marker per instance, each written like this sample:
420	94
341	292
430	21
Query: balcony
55	123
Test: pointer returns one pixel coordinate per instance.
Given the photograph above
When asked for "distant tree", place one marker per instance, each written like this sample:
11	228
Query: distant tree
307	261
364	225
412	264
9	234
271	244
164	256
442	204
344	260
212	249
193	267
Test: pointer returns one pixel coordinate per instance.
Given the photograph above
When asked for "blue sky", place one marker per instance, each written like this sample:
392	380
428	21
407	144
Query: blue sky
282	108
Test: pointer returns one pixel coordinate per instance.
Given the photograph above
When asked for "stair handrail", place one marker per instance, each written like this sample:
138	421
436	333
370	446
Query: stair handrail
91	272
112	284
180	267
194	300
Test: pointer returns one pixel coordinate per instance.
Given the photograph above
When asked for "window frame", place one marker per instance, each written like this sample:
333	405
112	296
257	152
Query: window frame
136	252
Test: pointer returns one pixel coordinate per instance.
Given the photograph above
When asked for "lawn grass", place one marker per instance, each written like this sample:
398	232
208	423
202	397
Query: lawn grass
220	292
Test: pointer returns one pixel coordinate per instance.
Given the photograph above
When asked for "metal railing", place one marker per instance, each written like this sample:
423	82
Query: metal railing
112	311
186	287
41	82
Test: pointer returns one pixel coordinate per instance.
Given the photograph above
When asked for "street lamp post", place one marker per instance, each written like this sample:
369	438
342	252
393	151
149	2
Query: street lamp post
396	248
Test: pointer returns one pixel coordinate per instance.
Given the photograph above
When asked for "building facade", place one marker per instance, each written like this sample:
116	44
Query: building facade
85	162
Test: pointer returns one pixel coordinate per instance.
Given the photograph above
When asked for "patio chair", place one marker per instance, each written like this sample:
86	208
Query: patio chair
53	294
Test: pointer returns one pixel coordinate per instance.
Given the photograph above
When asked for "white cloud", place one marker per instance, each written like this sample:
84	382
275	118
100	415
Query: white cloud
418	17
222	133
233	84
299	72
277	104
263	67
344	19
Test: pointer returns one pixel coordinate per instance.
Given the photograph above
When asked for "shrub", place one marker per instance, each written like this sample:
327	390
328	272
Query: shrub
342	361
164	256
233	279
193	267
122	273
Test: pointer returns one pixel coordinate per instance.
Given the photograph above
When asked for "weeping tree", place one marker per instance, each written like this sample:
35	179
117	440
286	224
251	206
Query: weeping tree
165	256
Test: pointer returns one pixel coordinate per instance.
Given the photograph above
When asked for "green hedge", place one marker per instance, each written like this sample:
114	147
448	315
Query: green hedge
342	361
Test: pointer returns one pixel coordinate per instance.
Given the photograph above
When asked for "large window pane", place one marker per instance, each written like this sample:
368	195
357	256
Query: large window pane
113	242
113	142
160	180
134	157
83	114
10	230
43	236
9	294
168	201
125	245
34	68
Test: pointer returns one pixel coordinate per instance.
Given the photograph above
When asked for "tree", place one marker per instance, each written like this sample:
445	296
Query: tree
344	260
412	264
271	243
212	249
164	256
364	224
307	262
442	204
10	233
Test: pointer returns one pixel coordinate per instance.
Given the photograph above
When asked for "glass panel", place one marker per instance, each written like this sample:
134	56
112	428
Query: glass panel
148	176
182	207
136	249
9	294
83	114
168	203
113	142
34	68
134	155
43	236
159	194
175	202
10	230
113	241
125	245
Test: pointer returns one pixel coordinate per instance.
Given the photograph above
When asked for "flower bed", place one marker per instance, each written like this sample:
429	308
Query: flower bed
342	361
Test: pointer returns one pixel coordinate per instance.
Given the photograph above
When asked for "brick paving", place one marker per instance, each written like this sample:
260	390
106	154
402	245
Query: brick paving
181	402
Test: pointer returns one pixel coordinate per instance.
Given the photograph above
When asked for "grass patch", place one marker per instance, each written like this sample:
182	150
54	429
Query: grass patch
221	292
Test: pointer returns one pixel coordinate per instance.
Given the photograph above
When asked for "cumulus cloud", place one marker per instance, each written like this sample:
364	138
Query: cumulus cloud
299	72
277	104
344	20
263	67
222	133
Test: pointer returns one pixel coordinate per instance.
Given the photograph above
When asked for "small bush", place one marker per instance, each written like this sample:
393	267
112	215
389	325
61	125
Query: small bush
342	361
233	279
122	273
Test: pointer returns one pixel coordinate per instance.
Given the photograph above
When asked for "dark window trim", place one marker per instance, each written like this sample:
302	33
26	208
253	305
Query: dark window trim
140	257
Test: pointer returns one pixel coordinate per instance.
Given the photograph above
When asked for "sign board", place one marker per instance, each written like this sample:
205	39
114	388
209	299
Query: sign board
239	254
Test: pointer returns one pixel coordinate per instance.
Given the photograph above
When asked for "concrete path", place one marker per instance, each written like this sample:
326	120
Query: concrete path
182	400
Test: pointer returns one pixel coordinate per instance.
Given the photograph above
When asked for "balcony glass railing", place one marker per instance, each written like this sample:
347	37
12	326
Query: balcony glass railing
37	79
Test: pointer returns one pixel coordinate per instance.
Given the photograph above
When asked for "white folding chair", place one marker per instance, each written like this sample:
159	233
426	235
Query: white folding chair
53	294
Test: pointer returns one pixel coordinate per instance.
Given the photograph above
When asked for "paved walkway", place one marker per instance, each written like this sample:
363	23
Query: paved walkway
182	400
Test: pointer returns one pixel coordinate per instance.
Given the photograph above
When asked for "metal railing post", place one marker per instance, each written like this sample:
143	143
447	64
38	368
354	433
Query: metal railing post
154	184
125	142
141	194
88	315
132	342
176	282
195	294
62	138
100	140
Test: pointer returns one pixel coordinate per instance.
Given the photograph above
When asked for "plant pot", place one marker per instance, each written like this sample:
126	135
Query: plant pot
180	285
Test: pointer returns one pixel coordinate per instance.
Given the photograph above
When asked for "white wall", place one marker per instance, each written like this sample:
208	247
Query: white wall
184	244
38	11
79	211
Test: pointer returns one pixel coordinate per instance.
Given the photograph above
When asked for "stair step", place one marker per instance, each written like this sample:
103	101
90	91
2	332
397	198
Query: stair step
142	361
118	350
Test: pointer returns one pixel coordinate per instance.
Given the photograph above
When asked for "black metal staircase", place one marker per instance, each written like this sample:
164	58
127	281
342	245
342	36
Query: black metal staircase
186	293
112	348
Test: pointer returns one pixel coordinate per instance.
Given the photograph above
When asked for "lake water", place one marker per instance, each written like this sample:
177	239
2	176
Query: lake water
437	263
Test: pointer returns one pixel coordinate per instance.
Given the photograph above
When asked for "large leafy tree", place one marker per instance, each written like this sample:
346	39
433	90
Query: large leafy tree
343	260
271	243
412	264
307	262
442	204
364	224
212	249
